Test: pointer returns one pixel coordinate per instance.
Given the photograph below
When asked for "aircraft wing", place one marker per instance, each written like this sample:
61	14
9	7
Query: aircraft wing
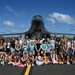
25	32
12	34
62	33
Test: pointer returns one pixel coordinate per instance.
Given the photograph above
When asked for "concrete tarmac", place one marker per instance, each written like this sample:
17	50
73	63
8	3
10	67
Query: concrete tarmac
39	70
53	70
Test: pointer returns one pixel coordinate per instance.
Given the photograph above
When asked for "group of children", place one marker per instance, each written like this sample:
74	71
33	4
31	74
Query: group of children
37	51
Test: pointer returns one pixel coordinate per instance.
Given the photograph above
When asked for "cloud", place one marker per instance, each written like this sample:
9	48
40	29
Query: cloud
67	30
22	26
12	24
16	28
9	23
18	14
10	30
13	27
13	31
52	20
58	18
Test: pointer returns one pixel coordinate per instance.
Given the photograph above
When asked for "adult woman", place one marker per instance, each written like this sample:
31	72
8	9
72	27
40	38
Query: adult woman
8	46
17	48
25	48
65	47
38	48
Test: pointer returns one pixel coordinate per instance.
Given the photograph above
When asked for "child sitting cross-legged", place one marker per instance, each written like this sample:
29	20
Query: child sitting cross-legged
45	59
39	60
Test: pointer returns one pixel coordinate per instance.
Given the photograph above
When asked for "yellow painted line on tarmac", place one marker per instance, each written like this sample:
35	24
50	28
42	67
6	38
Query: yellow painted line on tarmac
27	70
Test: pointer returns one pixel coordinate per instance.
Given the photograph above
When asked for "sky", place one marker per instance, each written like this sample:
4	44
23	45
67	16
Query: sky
16	15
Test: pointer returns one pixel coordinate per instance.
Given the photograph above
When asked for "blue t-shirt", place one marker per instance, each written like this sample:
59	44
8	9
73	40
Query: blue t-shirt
32	48
44	46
